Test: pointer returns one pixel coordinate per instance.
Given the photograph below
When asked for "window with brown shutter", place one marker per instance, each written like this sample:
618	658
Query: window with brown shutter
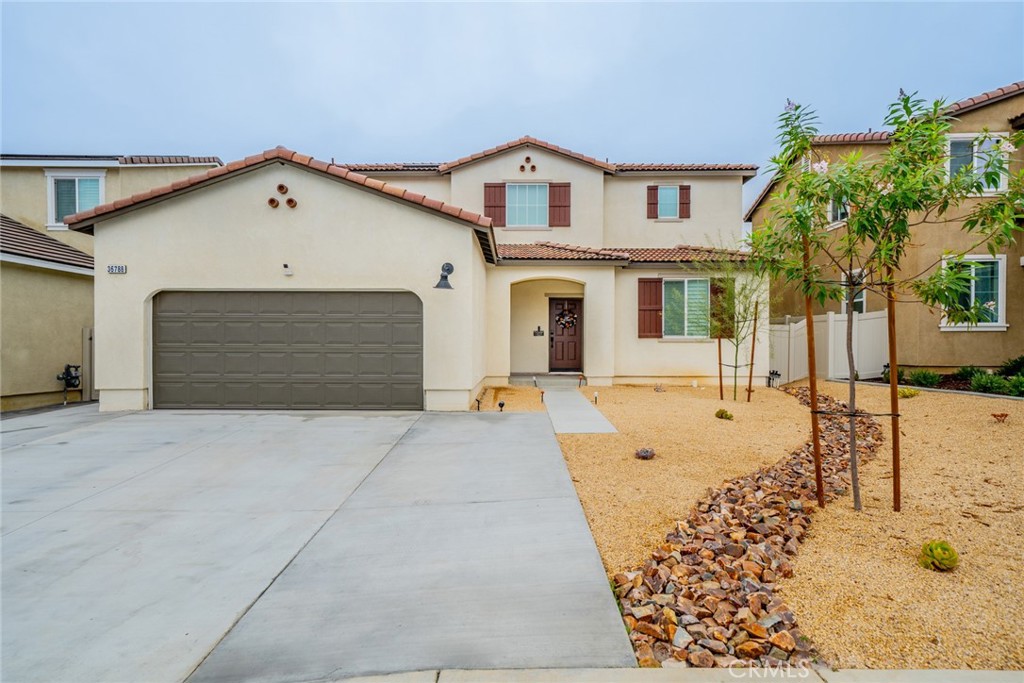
558	205
723	308
649	307
652	201
684	201
494	203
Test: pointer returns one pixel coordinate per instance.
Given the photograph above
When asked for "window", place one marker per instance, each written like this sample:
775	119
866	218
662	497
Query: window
968	151
668	201
526	204
687	308
860	297
987	289
69	192
838	211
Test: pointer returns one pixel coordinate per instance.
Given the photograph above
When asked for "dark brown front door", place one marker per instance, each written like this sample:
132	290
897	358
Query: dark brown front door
565	322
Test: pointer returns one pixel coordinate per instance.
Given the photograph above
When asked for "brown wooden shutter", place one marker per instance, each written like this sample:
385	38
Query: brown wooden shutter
684	201
558	205
494	203
723	308
652	201
649	308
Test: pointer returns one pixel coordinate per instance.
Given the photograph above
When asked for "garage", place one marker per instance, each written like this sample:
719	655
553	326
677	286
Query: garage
288	349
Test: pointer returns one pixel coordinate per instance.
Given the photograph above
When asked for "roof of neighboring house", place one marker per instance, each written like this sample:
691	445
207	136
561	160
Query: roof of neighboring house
551	251
19	239
527	140
986	98
122	160
877	137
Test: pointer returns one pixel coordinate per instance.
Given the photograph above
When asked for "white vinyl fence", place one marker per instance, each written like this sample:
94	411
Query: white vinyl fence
788	342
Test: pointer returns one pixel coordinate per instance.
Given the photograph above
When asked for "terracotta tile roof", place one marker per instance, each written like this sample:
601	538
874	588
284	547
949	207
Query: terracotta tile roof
684	167
551	251
869	138
987	98
133	160
84	220
20	240
148	160
522	142
394	167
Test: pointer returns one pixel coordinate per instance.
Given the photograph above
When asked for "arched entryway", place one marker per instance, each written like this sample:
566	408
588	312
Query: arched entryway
547	323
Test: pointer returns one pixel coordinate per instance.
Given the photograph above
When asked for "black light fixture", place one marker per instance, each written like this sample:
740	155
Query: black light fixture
446	270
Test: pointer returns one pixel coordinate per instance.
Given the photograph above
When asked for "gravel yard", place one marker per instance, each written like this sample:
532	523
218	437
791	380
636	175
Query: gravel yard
631	504
857	589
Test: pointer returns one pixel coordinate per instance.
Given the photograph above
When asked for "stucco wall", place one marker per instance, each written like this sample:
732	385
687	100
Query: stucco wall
225	236
587	194
716	212
42	314
530	354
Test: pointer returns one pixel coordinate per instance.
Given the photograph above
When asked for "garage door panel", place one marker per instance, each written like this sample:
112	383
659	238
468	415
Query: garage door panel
339	350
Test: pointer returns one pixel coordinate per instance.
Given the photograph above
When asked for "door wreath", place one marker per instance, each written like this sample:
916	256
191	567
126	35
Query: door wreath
566	319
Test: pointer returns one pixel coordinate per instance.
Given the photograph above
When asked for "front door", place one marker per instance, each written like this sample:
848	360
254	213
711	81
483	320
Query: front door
565	347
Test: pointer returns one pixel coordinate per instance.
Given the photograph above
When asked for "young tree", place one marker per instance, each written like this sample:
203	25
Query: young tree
738	296
887	196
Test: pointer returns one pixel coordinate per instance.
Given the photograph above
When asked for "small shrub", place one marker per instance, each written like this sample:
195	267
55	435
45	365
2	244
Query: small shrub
1014	366
1016	384
900	377
967	372
723	414
924	378
907	392
990	384
938	556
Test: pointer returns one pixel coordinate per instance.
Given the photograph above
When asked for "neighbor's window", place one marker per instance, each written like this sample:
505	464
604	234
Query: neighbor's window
687	306
860	298
987	289
526	204
668	201
968	151
72	192
838	211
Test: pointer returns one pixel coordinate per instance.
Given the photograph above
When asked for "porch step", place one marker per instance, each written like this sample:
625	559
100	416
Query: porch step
547	381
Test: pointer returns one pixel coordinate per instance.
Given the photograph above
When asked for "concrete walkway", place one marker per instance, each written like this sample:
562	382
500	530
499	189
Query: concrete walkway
571	413
683	675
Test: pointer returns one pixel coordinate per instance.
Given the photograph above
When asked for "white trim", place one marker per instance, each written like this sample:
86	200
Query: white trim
1001	135
1000	325
51	222
686	304
48	265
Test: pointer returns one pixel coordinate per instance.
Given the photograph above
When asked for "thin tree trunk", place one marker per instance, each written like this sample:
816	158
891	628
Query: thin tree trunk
753	346
851	289
721	386
735	364
812	371
894	394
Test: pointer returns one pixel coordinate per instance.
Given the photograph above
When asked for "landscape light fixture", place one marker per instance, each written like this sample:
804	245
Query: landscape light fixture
446	270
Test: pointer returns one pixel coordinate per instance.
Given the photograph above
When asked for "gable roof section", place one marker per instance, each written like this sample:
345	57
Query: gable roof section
86	220
552	251
986	98
523	142
18	239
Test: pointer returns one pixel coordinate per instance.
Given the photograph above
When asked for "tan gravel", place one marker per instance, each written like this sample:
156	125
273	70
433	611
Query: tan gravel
631	504
517	399
857	590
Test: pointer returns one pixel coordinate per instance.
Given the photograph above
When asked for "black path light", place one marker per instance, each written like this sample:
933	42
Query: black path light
446	270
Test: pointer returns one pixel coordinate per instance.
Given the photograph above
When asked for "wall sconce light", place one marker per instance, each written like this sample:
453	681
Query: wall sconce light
287	270
446	270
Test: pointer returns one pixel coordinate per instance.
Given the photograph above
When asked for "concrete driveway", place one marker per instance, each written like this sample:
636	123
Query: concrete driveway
166	546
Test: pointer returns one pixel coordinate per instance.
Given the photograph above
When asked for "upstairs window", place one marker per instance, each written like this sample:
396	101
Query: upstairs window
71	192
668	202
969	152
526	205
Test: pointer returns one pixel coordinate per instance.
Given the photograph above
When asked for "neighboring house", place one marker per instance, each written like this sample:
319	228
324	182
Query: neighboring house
282	281
925	339
47	270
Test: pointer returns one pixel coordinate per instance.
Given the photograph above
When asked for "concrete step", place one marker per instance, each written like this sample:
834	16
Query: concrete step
547	380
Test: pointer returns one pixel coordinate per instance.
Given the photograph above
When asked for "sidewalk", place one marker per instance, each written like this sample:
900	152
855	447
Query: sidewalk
696	676
571	413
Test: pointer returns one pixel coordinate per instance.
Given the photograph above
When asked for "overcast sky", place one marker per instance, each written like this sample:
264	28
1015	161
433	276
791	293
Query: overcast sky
433	82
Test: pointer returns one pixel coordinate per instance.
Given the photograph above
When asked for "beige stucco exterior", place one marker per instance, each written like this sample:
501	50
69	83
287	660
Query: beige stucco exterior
922	340
42	315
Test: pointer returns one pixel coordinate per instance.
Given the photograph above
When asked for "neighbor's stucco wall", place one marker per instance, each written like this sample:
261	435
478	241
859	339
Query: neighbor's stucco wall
716	212
42	315
642	360
225	236
586	195
530	354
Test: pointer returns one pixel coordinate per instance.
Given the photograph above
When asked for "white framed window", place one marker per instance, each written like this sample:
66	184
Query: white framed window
838	211
860	298
988	288
526	205
69	191
968	150
686	308
668	201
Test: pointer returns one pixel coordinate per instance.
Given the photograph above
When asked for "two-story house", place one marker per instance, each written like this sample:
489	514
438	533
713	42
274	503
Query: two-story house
283	281
46	271
926	339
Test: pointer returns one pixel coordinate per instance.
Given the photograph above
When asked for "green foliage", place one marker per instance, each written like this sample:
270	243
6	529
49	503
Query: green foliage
990	384
1016	385
1014	366
900	376
907	392
967	372
939	556
924	378
723	414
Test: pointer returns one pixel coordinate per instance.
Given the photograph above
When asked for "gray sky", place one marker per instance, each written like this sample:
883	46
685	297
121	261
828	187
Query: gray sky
433	82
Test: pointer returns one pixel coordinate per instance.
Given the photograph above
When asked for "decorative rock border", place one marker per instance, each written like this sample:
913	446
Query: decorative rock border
707	597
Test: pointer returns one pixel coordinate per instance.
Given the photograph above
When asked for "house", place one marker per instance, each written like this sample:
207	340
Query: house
925	338
46	271
281	281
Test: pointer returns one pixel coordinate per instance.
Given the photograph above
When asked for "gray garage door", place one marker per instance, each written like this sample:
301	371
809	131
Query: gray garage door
330	350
